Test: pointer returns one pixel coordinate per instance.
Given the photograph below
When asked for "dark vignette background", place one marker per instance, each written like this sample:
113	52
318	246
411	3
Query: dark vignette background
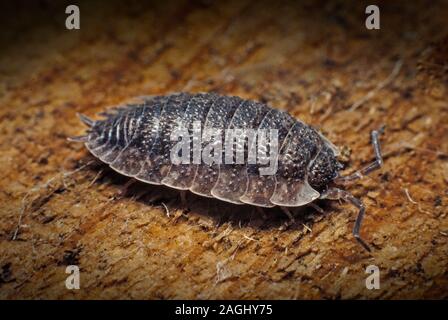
314	59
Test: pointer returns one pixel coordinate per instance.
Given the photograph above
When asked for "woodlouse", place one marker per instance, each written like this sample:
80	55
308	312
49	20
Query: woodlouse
135	141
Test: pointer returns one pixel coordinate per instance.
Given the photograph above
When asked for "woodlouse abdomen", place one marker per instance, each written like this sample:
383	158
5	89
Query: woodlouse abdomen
136	141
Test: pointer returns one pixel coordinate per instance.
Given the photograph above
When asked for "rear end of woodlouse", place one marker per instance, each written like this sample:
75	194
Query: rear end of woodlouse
136	140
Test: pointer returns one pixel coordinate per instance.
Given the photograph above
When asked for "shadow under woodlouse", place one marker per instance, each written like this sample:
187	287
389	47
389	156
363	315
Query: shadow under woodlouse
219	212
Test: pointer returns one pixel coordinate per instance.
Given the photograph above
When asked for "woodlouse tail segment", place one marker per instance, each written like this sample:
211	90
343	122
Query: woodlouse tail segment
339	194
377	164
86	120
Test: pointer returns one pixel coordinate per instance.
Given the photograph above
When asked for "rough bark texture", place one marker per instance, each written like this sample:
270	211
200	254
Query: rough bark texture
315	60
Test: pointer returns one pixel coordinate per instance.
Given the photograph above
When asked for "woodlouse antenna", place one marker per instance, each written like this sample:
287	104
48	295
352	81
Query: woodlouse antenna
339	194
377	164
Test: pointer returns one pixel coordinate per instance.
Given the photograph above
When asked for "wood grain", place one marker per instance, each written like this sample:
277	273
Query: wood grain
315	60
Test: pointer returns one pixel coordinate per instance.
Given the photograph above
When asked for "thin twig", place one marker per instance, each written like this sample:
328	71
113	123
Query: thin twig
166	209
394	148
306	227
96	178
379	87
249	238
406	191
39	187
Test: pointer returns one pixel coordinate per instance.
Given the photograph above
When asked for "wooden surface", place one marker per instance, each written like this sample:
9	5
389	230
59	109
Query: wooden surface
315	60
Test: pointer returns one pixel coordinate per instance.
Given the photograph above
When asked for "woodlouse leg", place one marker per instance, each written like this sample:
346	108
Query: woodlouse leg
316	207
370	167
124	190
183	199
262	213
290	216
337	194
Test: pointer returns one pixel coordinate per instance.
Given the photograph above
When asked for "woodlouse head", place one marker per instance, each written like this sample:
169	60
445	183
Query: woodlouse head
324	169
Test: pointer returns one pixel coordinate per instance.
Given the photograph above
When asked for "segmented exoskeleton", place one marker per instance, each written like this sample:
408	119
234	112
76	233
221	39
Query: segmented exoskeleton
135	140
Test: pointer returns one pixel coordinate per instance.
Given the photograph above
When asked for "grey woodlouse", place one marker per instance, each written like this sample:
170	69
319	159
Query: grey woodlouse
135	141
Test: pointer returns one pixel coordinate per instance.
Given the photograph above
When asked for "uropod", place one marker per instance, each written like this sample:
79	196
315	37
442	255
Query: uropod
136	140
